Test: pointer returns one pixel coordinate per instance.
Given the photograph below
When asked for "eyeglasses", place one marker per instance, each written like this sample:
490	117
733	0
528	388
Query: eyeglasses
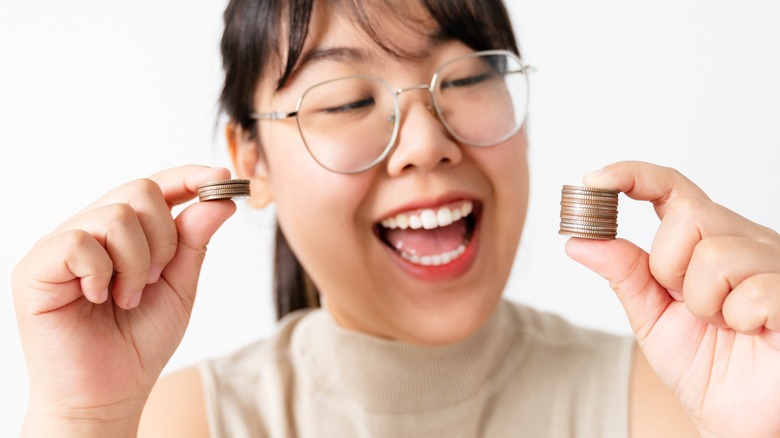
350	124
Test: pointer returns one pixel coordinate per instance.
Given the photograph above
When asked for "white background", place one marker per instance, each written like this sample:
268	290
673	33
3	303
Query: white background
95	93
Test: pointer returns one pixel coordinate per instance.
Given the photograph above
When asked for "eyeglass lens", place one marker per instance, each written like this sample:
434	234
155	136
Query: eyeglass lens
349	124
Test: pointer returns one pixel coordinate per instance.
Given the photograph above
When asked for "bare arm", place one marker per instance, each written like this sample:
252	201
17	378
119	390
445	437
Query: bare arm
176	407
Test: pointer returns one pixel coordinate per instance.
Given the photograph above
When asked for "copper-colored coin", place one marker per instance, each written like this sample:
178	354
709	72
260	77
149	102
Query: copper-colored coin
588	227
587	219
586	235
589	199
223	189
584	215
591	190
224	182
588	205
218	191
588	212
218	197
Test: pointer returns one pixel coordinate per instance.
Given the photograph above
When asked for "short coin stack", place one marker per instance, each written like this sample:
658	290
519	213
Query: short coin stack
589	213
223	189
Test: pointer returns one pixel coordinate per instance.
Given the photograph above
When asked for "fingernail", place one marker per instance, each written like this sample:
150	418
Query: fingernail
154	274
134	301
103	296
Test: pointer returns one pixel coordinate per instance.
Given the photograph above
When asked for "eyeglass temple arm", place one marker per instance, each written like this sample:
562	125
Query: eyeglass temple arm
528	69
275	115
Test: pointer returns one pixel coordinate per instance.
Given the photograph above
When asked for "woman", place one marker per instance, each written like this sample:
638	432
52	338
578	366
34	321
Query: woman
415	339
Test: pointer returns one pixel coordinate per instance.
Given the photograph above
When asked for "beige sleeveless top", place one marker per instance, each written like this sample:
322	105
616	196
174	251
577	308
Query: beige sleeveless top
523	374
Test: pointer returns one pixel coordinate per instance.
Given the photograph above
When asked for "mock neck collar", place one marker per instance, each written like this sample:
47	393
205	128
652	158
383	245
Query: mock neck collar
389	376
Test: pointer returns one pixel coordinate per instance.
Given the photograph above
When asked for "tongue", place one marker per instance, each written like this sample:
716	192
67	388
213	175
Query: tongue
428	242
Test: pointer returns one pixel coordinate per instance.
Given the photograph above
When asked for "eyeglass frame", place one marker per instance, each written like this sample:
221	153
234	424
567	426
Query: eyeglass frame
396	114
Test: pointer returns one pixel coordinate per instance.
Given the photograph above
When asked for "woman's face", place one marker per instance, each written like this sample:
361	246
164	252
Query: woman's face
334	222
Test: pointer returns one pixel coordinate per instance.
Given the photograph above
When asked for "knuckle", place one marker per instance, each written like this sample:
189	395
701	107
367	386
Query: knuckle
121	213
754	291
76	240
146	186
165	247
712	251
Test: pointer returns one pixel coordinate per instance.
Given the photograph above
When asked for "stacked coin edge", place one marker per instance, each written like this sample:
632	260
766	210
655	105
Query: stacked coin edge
223	189
588	212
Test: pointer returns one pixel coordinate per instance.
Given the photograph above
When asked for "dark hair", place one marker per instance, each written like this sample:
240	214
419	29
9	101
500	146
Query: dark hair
252	46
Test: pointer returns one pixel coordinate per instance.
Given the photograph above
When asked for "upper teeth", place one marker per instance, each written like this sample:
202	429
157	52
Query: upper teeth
429	218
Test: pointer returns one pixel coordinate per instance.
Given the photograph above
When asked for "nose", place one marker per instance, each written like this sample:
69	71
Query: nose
423	142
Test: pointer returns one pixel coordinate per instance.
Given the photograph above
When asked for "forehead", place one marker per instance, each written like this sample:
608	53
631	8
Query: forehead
372	34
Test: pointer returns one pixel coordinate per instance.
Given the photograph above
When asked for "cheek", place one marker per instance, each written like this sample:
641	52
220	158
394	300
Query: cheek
507	166
318	212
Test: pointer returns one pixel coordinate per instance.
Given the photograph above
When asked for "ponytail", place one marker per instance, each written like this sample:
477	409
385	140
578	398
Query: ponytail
293	289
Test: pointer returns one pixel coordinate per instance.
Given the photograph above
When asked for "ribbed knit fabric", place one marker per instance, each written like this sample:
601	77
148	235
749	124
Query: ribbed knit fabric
523	374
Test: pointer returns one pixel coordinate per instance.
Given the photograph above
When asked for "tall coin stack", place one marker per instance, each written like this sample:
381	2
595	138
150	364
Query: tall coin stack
588	212
223	189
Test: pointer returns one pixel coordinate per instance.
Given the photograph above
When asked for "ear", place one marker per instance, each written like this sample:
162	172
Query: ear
249	164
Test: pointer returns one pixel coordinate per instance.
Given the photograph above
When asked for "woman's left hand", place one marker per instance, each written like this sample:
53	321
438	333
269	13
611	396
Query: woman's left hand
704	304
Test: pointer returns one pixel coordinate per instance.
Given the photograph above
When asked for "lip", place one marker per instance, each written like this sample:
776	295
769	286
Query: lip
449	271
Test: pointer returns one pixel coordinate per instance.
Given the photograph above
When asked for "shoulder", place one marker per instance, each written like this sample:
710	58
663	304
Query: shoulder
220	394
552	333
559	356
239	390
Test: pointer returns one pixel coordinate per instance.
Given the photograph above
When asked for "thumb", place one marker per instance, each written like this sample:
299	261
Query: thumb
626	267
196	224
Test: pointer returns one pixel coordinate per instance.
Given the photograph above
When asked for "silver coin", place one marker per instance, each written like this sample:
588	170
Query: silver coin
583	193
223	189
588	228
220	190
586	235
221	182
222	196
588	198
589	205
591	189
589	219
590	213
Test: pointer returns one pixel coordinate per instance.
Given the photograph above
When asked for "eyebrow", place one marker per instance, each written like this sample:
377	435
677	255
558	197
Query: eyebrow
339	54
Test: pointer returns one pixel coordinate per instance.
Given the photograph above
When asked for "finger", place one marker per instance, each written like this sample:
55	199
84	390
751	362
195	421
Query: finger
60	269
180	184
151	199
687	215
646	182
196	224
157	224
119	230
626	267
754	305
688	221
717	266
177	185
145	197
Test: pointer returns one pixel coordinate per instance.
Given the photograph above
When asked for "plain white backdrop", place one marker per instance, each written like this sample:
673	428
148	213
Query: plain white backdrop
94	94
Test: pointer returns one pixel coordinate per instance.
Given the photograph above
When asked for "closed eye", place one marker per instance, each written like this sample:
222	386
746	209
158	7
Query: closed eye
350	106
465	82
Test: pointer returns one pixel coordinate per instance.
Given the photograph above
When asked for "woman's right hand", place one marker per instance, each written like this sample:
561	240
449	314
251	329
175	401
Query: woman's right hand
104	300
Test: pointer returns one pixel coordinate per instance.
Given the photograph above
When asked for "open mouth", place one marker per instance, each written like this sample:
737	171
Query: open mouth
431	236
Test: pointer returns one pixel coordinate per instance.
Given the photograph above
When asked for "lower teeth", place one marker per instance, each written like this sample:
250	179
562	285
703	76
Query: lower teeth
435	260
